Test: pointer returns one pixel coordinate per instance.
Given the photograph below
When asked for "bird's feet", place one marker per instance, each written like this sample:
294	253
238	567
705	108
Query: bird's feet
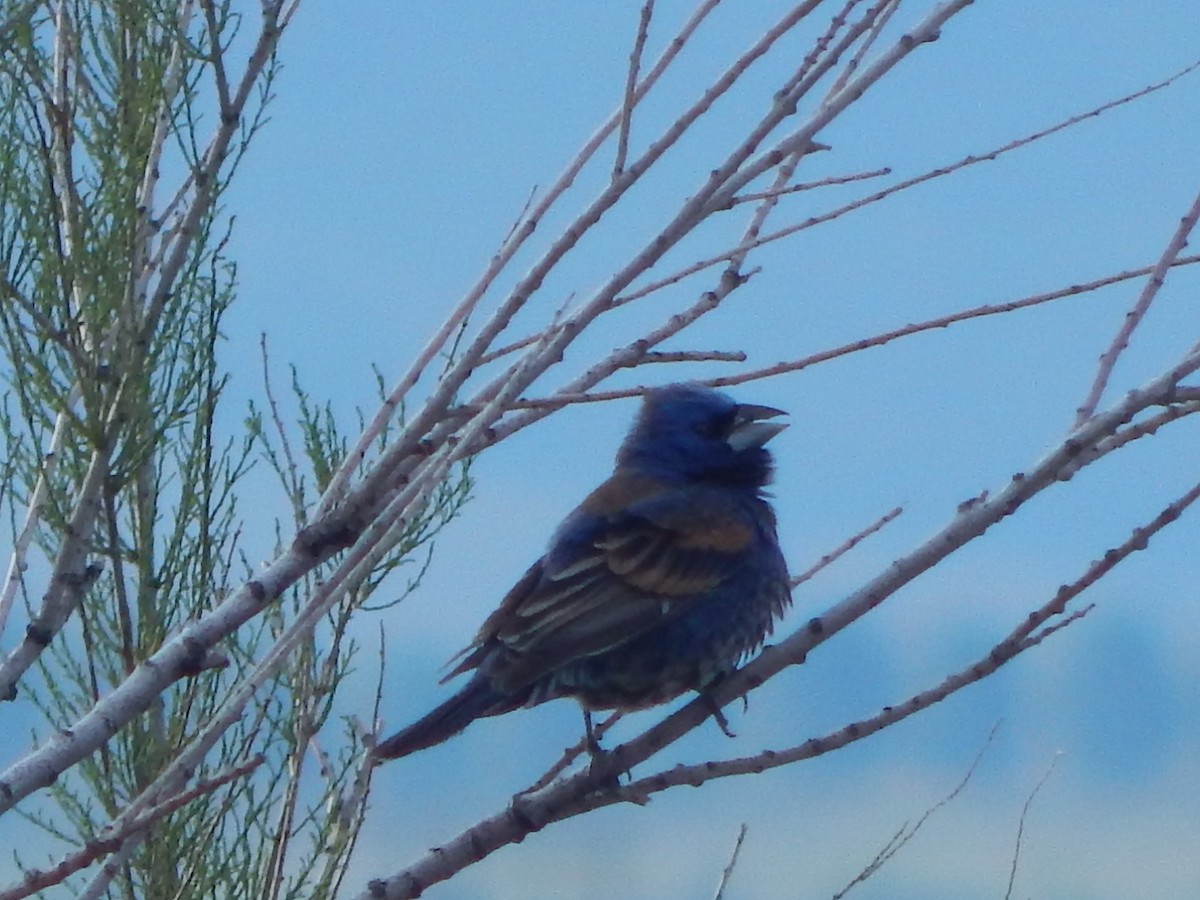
714	710
601	769
604	775
591	738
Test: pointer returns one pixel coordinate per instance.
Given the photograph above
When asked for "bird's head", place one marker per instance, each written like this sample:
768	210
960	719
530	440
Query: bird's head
689	433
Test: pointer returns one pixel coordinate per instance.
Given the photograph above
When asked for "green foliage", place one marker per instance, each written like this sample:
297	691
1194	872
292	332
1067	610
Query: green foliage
112	300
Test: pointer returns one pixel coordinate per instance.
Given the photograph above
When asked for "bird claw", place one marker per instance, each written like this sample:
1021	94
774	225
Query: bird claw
604	776
723	723
718	716
595	751
603	772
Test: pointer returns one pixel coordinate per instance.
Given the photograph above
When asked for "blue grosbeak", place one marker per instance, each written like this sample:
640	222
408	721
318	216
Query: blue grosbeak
660	582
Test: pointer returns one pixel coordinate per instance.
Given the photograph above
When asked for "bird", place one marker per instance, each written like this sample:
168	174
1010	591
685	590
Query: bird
662	581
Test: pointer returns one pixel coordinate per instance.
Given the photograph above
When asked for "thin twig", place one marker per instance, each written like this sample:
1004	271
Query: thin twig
906	832
845	547
557	401
289	472
217	59
940	322
727	872
864	48
631	96
19	561
1134	316
36	880
802	140
677	356
939	172
830	181
1012	872
572	753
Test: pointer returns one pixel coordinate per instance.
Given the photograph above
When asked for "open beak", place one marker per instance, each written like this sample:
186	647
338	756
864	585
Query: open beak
750	429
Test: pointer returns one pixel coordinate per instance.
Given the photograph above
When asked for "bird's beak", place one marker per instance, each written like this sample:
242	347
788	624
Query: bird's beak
749	429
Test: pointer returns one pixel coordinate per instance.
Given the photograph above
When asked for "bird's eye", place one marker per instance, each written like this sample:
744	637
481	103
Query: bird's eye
713	428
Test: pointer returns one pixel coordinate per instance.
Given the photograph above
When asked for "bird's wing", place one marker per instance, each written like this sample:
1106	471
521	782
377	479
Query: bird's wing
634	555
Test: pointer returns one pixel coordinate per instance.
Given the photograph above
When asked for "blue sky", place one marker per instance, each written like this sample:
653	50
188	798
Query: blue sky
404	141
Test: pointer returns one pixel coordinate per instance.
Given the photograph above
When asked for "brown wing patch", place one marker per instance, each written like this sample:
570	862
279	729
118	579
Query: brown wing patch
619	492
723	537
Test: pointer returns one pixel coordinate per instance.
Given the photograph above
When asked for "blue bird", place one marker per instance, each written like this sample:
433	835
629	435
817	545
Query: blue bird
660	582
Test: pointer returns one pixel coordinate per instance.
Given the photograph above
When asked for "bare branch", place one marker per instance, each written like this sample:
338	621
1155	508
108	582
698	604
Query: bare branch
69	582
439	402
574	752
939	172
578	793
1022	638
36	880
727	872
1134	317
676	356
844	548
907	832
18	563
940	322
564	398
631	96
1012	873
807	186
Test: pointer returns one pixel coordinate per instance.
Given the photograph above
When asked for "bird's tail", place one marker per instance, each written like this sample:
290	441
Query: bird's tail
477	698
